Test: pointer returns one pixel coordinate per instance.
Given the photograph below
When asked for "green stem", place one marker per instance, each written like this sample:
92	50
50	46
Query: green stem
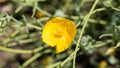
21	51
54	65
15	50
39	49
37	55
31	60
20	40
5	41
34	8
109	5
34	26
68	59
82	31
44	12
100	44
118	45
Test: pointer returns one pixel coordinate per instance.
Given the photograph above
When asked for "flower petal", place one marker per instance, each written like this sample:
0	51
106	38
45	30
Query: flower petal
63	43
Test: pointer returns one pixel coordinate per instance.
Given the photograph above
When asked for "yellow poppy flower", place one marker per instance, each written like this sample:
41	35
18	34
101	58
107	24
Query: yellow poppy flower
59	32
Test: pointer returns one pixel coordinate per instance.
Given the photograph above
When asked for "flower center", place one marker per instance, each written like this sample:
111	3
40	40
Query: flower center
57	33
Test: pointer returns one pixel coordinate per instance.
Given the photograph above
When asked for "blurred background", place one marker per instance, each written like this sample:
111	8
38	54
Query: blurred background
22	21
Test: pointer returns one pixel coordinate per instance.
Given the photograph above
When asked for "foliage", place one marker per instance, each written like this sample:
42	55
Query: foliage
96	43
